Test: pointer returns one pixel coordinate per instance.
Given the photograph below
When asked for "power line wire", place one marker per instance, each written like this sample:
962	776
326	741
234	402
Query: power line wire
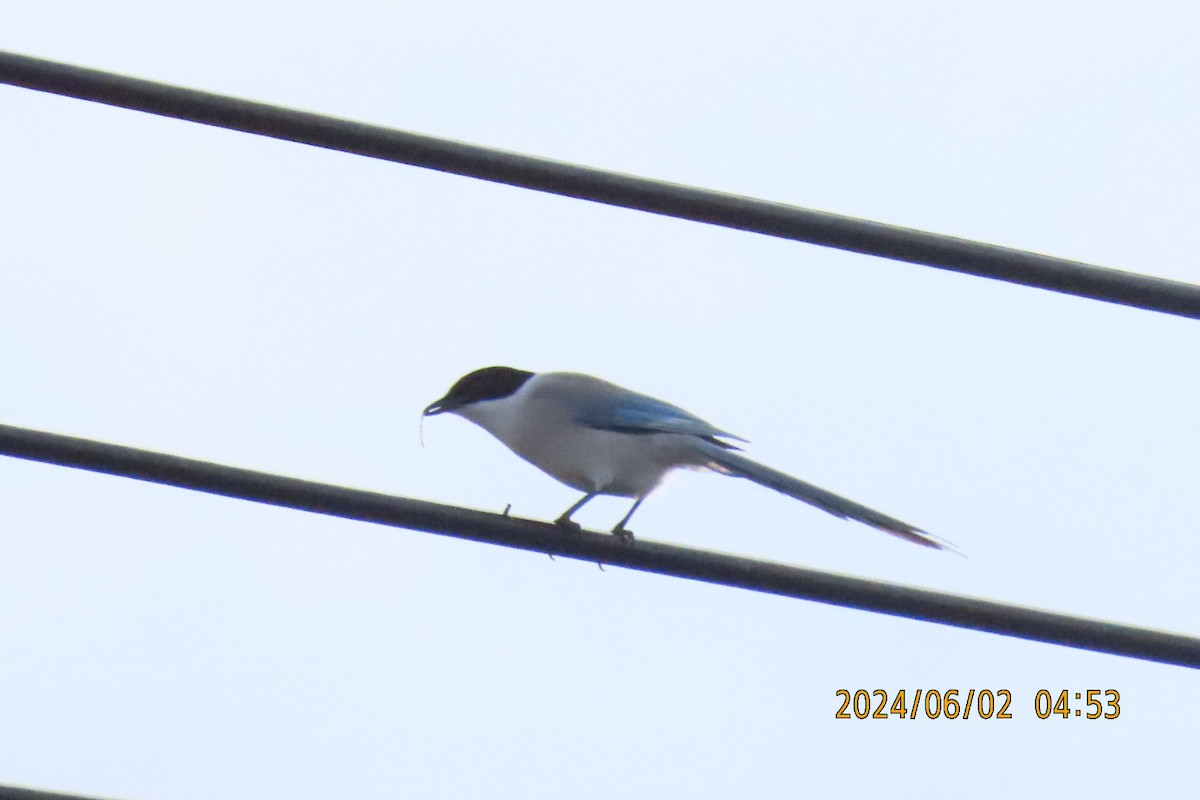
617	189
25	793
647	556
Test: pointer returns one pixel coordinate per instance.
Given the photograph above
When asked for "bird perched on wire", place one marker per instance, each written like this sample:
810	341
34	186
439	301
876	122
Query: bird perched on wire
599	438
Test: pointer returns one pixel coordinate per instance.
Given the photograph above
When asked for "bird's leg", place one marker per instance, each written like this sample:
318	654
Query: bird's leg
621	531
565	520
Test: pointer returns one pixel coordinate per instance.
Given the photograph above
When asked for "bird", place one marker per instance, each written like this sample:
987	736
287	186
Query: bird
602	439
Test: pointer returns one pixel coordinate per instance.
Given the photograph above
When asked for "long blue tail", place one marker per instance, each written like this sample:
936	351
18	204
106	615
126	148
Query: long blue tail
732	463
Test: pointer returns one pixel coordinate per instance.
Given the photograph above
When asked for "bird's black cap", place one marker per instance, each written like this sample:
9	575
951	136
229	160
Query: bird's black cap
489	383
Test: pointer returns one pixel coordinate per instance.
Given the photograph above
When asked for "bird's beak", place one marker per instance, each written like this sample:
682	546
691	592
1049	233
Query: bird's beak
436	407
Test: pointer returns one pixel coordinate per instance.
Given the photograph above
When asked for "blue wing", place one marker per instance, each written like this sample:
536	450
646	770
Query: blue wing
629	412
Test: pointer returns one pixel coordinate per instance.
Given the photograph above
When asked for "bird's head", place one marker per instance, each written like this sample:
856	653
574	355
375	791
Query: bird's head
489	383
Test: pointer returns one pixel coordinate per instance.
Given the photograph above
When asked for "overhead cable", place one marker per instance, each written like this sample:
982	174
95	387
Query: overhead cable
25	793
614	188
647	556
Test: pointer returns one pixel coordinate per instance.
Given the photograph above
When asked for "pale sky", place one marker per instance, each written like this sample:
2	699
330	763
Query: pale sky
283	308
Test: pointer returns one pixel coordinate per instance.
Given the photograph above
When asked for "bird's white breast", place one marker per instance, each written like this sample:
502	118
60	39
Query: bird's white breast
537	422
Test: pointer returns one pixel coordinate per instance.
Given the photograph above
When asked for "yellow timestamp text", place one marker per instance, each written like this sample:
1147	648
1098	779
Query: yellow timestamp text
979	703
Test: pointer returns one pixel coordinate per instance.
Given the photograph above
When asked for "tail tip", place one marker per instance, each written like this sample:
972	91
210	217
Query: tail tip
926	539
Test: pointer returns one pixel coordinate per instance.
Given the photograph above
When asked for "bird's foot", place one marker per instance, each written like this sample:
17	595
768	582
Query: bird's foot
569	524
624	534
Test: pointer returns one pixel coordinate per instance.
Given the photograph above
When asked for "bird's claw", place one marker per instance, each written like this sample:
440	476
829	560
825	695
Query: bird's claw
568	524
624	534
